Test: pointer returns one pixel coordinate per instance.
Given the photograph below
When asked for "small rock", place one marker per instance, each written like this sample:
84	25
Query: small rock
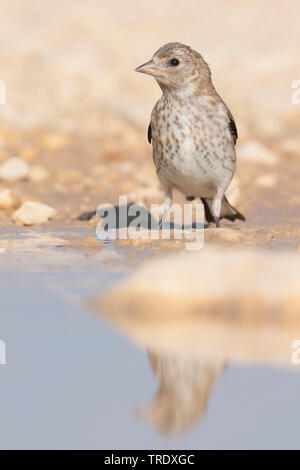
87	215
6	199
266	181
38	173
31	213
254	151
14	169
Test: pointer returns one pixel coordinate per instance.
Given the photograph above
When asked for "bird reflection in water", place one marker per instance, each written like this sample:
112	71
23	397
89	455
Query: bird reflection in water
190	343
185	386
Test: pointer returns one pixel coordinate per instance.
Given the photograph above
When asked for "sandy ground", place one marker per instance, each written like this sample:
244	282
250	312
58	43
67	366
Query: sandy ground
76	110
75	106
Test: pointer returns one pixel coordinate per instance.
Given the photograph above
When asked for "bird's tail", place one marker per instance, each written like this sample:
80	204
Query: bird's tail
227	211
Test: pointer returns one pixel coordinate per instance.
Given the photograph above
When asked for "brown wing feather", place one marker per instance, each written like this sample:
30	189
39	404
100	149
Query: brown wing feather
232	125
233	129
149	134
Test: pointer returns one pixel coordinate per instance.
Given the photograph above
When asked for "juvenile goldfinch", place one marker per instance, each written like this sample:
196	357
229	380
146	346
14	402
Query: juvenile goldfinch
192	131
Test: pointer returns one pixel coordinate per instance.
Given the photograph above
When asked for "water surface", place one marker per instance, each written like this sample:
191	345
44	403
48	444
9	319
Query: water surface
72	380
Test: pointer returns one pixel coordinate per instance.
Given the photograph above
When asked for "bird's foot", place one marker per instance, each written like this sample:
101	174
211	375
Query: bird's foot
217	222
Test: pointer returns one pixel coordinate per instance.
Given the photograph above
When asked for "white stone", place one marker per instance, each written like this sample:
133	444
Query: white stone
32	212
14	169
6	199
254	151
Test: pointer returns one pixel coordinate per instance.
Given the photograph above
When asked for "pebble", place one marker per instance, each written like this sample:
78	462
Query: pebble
6	199
14	169
31	213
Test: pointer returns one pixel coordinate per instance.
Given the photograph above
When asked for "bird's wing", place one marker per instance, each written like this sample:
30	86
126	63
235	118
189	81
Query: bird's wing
232	127
149	133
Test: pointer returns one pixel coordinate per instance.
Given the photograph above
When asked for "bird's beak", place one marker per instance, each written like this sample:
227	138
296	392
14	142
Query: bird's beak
149	68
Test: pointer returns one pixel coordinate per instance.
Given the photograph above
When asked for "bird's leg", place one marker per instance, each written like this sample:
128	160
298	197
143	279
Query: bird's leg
217	221
166	206
216	206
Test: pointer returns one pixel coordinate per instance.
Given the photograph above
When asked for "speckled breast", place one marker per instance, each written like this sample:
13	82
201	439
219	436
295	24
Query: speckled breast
192	145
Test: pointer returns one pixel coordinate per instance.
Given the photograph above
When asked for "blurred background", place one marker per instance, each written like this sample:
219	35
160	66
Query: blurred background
74	104
69	63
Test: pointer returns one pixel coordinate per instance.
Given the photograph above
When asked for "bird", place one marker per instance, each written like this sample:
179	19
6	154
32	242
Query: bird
192	131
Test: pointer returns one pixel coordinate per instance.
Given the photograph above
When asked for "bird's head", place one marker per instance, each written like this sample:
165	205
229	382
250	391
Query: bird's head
179	67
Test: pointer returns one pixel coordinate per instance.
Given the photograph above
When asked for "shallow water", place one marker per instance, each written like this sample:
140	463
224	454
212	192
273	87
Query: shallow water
74	381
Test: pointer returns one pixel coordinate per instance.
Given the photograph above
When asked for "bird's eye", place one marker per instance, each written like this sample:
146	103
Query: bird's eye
174	62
